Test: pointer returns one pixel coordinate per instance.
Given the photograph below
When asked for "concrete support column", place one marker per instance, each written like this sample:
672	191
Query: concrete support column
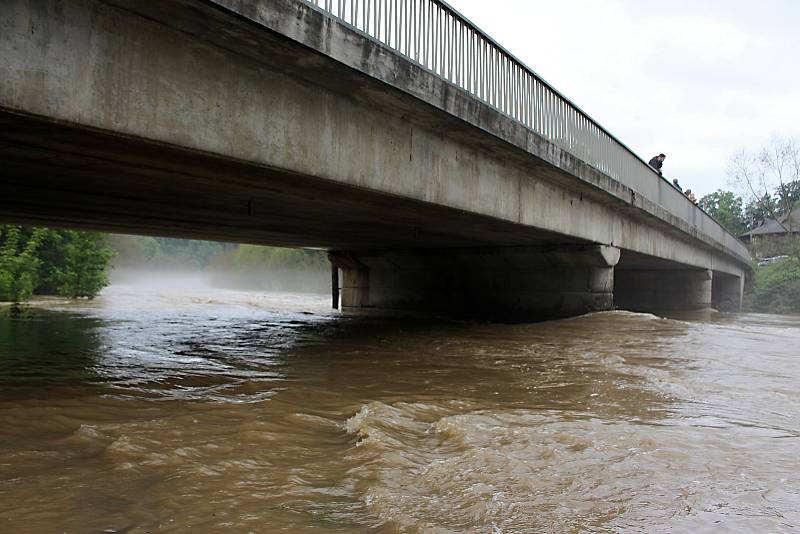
663	290
503	284
354	290
727	291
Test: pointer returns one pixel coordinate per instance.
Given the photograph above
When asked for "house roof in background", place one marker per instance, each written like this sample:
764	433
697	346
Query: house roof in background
772	227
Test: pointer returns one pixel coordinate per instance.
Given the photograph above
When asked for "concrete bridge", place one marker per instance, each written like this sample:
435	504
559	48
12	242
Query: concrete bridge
441	173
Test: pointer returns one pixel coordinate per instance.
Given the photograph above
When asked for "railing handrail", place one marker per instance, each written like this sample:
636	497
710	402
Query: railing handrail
522	64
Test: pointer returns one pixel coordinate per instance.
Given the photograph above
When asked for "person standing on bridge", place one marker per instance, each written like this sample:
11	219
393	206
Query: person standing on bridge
657	162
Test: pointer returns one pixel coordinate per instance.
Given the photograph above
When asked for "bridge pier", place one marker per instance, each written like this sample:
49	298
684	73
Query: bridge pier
727	291
502	284
663	290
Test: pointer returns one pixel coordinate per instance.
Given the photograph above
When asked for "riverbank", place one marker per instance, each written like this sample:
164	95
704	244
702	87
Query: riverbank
774	289
43	301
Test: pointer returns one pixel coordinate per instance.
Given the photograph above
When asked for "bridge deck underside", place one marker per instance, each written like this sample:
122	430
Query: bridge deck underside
58	174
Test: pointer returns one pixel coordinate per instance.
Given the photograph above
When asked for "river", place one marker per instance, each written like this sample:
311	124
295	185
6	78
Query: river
167	410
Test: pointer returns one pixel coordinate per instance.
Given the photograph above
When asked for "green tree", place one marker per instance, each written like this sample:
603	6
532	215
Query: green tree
19	263
788	196
726	208
49	261
75	263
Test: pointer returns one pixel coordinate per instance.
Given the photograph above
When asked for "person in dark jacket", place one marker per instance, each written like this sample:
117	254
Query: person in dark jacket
677	185
657	162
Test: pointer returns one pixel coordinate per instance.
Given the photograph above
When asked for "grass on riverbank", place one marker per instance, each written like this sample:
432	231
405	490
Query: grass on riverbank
775	288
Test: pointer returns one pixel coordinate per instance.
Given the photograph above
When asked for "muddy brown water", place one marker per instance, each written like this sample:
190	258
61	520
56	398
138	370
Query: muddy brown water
148	410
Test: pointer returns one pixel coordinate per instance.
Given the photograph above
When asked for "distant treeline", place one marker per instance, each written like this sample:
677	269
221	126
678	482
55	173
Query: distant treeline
738	218
272	269
164	253
225	264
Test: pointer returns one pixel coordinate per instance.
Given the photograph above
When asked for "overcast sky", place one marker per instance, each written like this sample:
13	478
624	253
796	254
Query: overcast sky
697	80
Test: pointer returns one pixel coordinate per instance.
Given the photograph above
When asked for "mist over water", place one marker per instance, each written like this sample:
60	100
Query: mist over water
143	260
178	407
273	280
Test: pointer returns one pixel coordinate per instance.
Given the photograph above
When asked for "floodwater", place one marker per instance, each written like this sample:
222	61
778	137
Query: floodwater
149	410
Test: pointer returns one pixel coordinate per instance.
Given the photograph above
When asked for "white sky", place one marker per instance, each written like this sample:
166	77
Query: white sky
697	80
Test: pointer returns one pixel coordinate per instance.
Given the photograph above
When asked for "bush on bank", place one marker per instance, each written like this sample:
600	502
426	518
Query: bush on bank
775	288
47	261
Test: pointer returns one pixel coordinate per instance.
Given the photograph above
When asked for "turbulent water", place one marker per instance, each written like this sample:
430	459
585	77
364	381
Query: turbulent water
153	411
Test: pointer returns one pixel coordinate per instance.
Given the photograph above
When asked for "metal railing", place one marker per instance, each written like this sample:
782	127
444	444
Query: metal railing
436	37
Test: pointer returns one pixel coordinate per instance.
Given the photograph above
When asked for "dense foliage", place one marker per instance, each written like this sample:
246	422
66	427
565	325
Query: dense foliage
727	209
731	212
19	262
68	263
775	288
74	263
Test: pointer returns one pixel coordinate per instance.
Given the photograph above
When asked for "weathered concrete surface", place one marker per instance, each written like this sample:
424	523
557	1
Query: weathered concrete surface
510	284
265	122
